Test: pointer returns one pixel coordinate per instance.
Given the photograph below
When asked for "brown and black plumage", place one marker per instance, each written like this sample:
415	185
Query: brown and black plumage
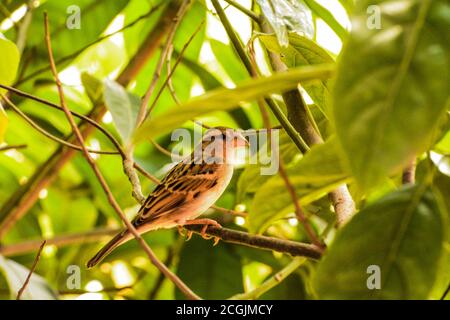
188	189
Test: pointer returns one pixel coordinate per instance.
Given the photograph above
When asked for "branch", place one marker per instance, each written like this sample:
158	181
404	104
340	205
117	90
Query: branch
185	289
292	248
179	58
261	242
142	114
244	10
298	209
300	117
33	267
271	282
23	199
46	133
75	114
12	146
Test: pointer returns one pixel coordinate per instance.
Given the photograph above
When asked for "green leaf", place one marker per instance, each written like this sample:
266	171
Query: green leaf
9	62
392	86
124	107
224	99
403	234
228	59
15	274
328	17
3	123
216	273
251	178
303	52
286	15
92	86
317	173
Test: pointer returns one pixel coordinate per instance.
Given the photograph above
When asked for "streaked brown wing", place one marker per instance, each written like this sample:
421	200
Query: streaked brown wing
183	183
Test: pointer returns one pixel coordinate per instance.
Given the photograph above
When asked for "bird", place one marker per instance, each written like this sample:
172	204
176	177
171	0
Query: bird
188	189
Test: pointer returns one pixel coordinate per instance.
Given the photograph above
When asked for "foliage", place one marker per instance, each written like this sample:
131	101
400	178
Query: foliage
380	106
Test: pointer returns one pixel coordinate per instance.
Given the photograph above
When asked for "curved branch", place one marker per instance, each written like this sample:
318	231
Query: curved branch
292	248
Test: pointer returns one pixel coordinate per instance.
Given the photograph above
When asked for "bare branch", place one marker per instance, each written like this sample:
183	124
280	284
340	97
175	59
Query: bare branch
46	133
33	267
12	146
292	248
164	53
298	210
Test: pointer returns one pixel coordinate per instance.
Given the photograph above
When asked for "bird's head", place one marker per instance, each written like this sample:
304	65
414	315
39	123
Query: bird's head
222	144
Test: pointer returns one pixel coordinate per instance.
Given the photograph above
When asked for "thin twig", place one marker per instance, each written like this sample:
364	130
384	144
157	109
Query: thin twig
75	114
33	267
180	284
229	211
179	58
244	10
445	292
46	133
12	146
142	114
298	209
169	79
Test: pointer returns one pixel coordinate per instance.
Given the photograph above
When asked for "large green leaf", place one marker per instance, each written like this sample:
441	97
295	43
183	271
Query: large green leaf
313	176
15	274
124	108
211	272
392	86
302	52
403	234
224	99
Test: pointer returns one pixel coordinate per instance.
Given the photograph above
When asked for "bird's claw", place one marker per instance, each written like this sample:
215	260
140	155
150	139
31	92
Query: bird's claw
203	232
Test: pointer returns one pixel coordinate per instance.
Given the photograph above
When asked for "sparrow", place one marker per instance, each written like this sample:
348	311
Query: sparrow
192	186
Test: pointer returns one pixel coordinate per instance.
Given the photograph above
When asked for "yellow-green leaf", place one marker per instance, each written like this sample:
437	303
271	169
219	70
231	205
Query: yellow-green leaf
224	98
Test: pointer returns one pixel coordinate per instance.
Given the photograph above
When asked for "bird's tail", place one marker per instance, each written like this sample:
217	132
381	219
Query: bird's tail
120	238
